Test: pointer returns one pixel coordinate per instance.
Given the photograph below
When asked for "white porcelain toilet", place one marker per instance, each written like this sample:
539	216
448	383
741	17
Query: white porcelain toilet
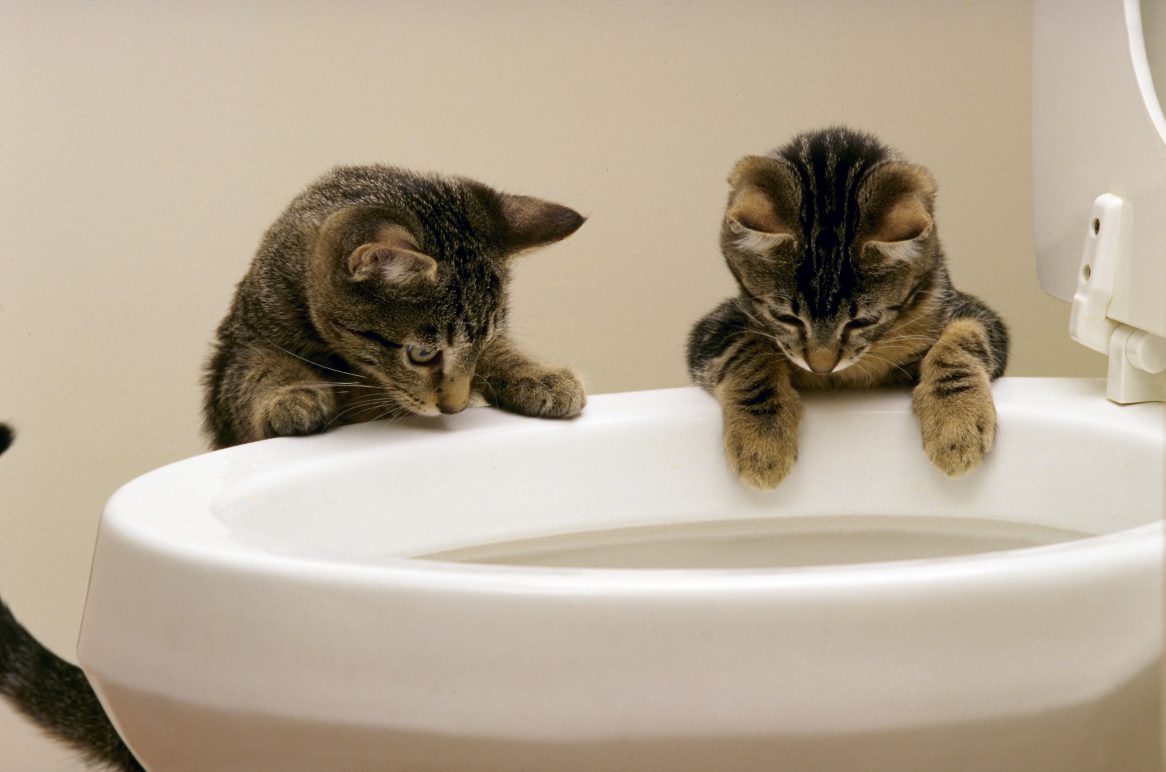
488	592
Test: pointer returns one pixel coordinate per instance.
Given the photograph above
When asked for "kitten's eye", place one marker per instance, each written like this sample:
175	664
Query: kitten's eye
858	324
422	356
375	337
789	319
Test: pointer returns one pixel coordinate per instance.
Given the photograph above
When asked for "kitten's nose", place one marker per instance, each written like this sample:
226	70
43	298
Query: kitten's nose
451	408
822	360
453	395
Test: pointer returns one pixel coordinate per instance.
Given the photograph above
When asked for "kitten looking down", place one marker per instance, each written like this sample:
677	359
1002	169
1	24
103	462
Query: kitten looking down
381	292
832	241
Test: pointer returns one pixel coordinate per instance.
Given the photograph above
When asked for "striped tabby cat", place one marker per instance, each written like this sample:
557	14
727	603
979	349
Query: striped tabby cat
380	292
832	241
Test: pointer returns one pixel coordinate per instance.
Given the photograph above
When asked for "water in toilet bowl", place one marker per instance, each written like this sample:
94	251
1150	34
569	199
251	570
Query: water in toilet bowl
782	542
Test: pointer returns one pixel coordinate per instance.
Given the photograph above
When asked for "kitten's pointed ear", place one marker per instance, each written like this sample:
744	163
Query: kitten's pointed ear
897	201
763	204
393	257
532	222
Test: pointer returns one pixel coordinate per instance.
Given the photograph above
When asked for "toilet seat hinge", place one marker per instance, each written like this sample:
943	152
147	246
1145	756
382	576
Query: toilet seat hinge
1137	359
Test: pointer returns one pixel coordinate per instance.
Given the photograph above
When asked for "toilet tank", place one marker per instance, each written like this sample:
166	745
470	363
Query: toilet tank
1097	128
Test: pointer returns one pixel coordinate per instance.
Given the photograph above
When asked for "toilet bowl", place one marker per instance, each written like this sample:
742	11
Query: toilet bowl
464	593
488	592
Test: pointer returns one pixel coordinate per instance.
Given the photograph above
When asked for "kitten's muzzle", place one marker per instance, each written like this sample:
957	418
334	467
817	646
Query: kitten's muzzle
823	360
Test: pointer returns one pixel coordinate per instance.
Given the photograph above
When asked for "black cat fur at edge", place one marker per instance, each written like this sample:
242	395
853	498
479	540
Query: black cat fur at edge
53	693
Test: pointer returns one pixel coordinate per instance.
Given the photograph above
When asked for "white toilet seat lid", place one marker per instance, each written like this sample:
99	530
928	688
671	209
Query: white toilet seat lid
1097	127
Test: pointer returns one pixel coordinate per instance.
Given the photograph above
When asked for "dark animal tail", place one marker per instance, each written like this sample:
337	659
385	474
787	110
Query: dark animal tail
54	693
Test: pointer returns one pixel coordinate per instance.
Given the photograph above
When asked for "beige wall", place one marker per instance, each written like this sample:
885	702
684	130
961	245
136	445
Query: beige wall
145	147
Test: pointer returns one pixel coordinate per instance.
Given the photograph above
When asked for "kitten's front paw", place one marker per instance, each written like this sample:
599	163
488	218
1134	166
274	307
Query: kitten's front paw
295	411
761	453
550	394
958	428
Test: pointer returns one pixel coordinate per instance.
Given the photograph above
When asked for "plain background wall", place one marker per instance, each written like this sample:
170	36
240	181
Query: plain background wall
144	148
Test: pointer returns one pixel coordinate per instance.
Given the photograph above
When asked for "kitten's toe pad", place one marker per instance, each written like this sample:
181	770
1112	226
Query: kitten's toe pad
295	412
761	455
552	394
958	430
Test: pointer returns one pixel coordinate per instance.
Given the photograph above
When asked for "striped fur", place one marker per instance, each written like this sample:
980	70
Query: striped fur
53	693
381	292
843	284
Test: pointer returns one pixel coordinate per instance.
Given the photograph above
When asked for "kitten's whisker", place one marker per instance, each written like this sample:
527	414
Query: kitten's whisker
751	317
490	386
907	337
916	317
771	338
884	360
901	351
760	325
920	344
734	335
380	393
905	326
759	332
336	417
324	384
864	370
859	365
777	344
362	408
395	413
366	405
380	399
315	364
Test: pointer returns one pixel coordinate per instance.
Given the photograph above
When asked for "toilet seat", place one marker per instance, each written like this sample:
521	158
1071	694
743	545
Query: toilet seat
275	597
1099	177
233	592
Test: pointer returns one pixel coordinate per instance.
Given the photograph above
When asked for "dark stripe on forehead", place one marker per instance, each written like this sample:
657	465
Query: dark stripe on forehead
481	297
453	241
830	166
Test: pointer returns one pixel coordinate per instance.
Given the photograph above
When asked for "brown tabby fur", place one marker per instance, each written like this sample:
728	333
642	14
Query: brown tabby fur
843	284
381	292
54	694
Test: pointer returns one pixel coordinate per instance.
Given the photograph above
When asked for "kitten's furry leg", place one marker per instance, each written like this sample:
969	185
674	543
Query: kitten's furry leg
972	309
515	382
953	399
266	393
750	379
761	413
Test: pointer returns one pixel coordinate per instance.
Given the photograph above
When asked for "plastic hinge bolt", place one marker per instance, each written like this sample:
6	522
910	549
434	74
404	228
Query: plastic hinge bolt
1088	324
1137	359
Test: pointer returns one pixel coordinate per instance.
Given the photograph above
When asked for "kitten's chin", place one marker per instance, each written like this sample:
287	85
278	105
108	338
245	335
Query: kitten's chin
412	404
406	403
844	365
425	410
800	362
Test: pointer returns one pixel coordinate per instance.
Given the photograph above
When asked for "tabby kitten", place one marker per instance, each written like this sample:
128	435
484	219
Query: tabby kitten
832	241
53	693
381	292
